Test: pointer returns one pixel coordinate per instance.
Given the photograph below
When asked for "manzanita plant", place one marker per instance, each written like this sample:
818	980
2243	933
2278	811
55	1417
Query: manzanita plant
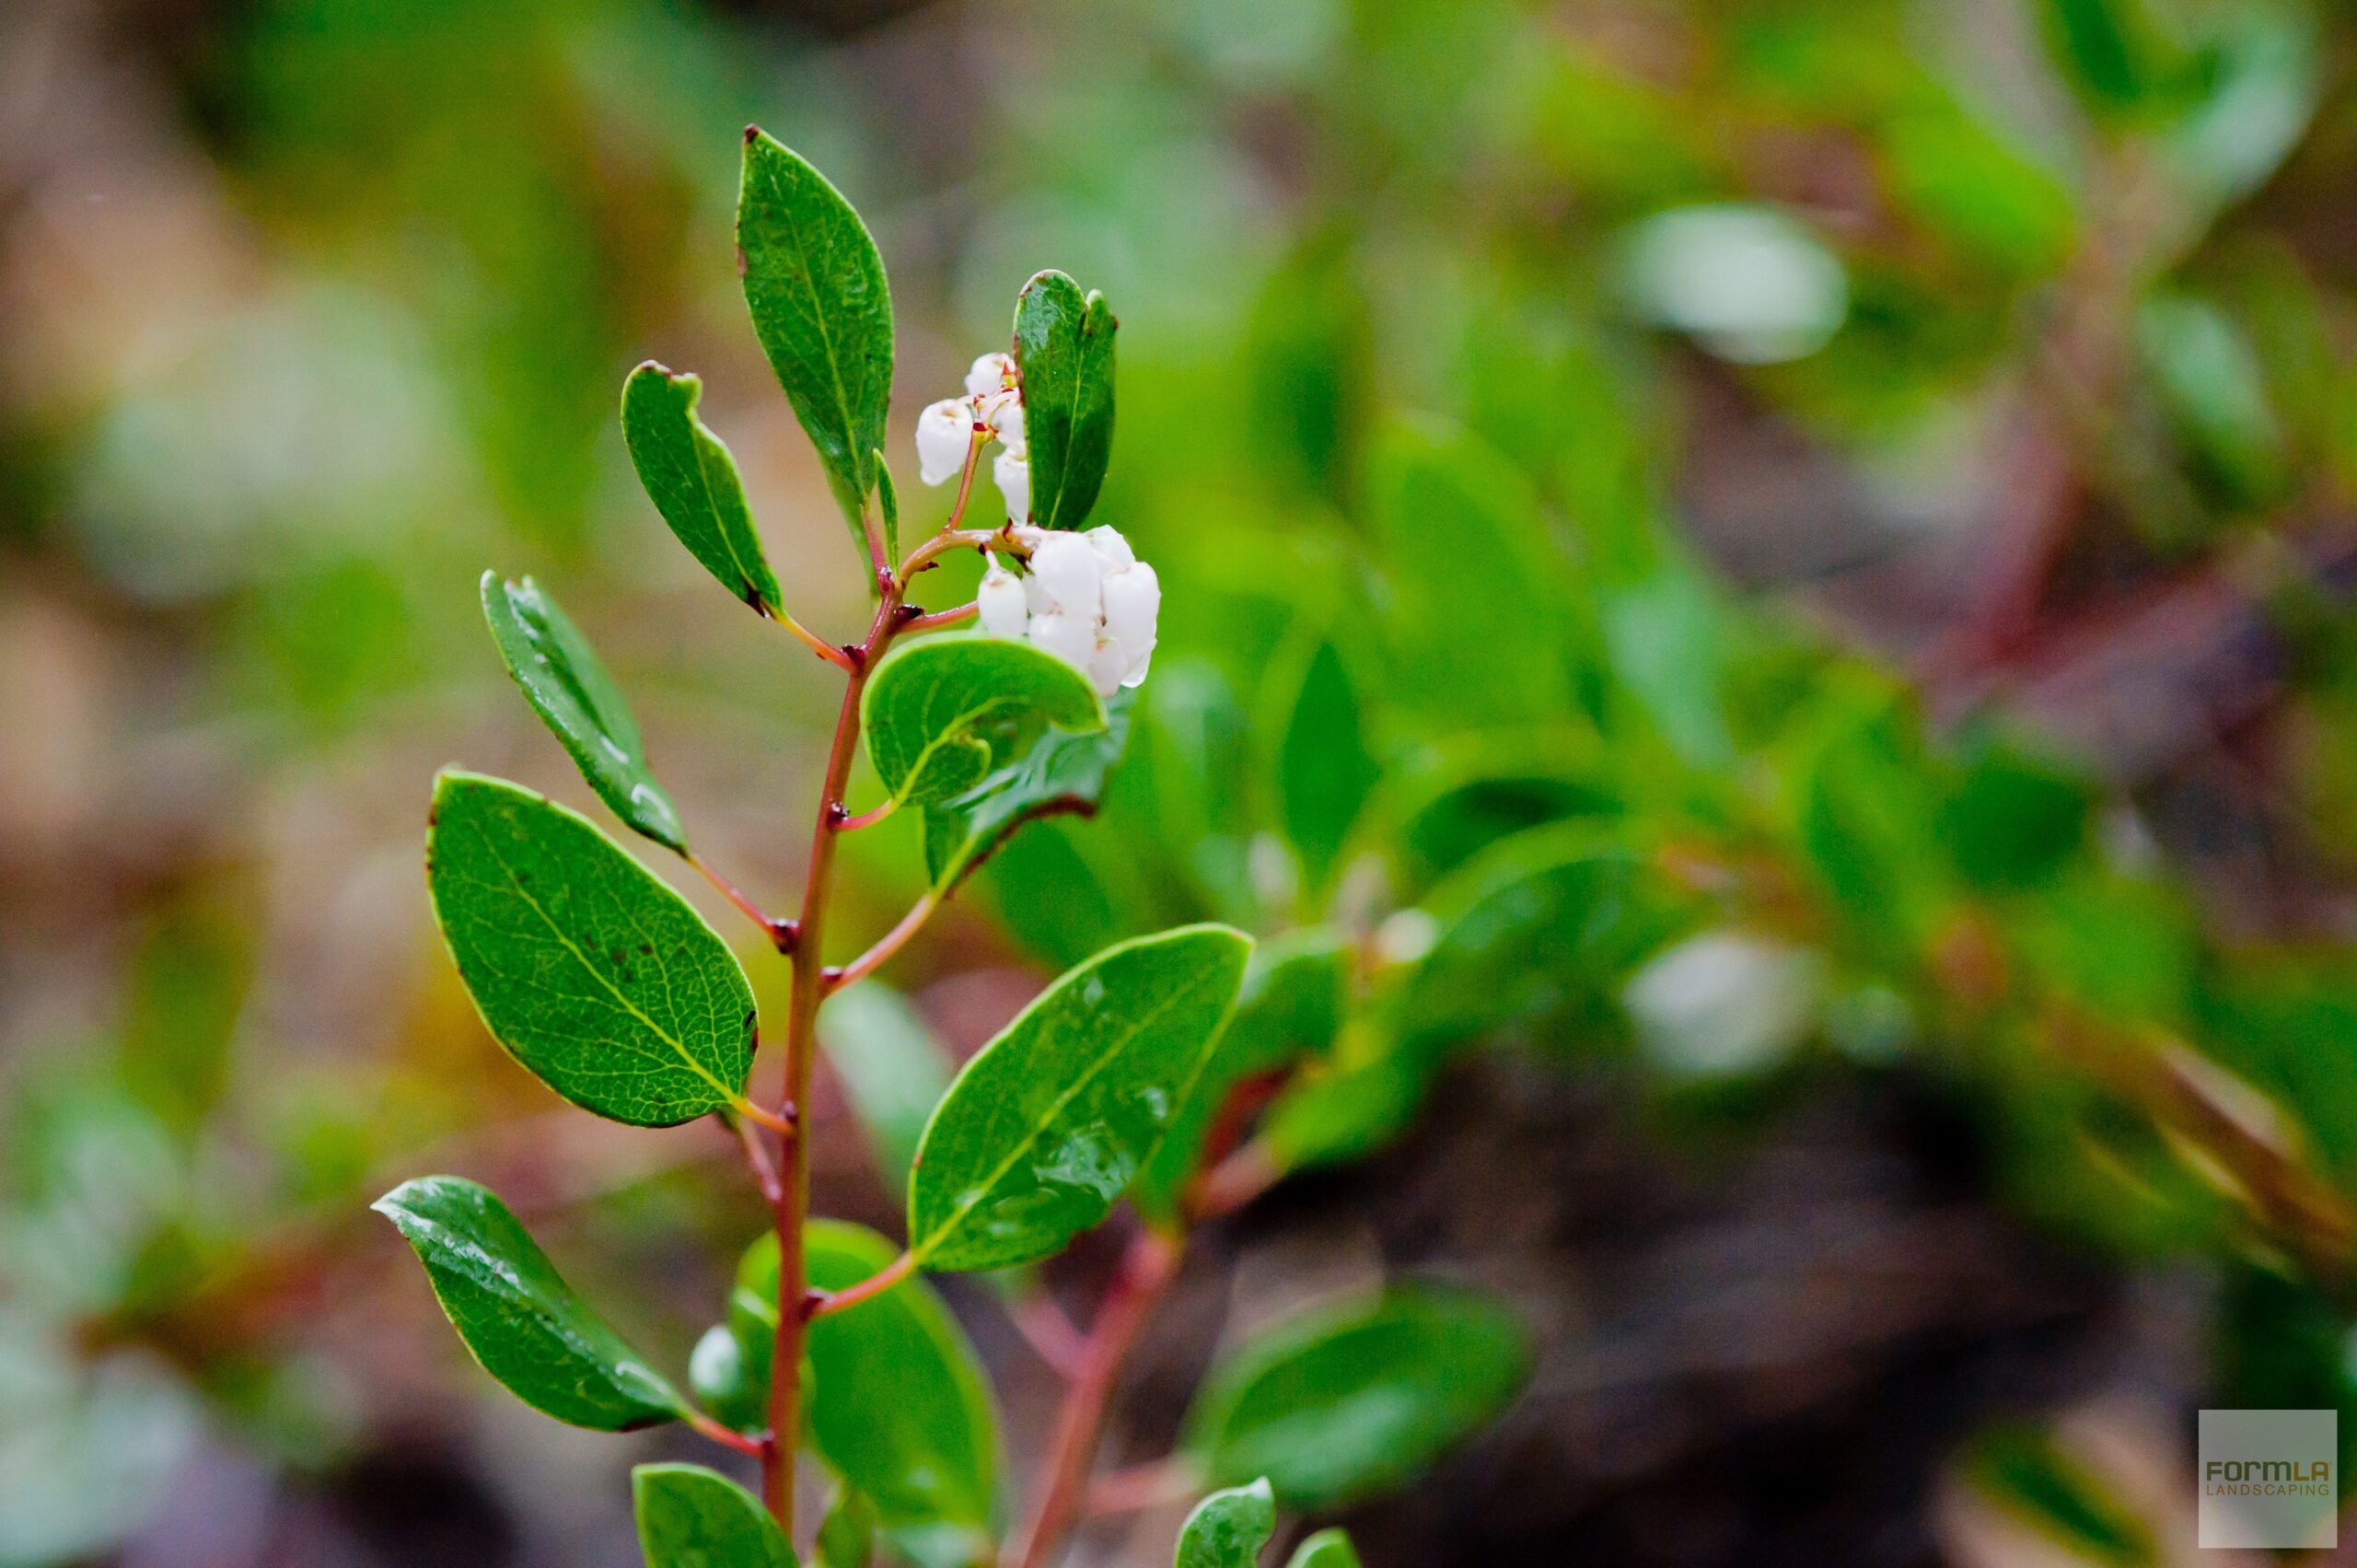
1122	1078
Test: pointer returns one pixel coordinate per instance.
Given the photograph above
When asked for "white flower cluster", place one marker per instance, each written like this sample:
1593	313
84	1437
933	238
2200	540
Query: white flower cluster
946	429
1088	599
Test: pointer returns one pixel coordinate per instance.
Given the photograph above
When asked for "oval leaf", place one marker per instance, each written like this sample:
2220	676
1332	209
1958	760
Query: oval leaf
1327	1549
692	1518
518	1317
1064	352
847	1534
815	285
898	1407
1341	1402
1228	1528
1324	769
692	480
938	713
589	970
562	677
1049	1123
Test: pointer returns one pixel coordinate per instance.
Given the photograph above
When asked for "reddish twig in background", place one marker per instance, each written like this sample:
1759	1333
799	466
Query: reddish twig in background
1147	1269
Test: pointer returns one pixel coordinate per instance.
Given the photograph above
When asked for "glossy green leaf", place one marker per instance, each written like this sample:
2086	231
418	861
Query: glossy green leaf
589	970
1063	349
1291	1006
847	1534
936	712
892	1070
822	310
898	1406
692	1518
1049	1123
692	480
522	1322
1341	1402
1058	770
1325	771
1327	1549
562	677
1228	1528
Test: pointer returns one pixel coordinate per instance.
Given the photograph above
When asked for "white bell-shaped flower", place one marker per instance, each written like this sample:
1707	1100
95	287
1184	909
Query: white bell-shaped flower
1110	547
1088	599
1132	600
1069	570
992	374
1012	472
1070	637
1000	601
1005	419
943	431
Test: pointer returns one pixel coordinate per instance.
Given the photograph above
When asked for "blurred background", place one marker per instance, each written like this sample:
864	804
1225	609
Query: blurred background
1778	572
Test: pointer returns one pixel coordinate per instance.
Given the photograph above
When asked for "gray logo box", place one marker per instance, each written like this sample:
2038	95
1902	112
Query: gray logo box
2269	1479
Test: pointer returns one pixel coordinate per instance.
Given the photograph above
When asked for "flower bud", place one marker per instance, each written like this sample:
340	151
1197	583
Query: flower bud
1107	666
943	431
1110	547
1070	637
1012	472
1068	569
991	373
1003	612
1005	419
1132	599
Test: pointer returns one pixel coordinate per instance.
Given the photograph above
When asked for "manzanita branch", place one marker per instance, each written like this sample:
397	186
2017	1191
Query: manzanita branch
780	932
815	642
940	619
891	942
821	1303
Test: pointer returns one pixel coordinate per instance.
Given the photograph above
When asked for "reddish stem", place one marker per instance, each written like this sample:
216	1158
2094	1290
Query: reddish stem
1147	1269
891	942
780	932
870	819
820	1304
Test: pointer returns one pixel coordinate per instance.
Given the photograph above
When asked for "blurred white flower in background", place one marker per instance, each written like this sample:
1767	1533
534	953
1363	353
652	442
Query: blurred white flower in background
1747	284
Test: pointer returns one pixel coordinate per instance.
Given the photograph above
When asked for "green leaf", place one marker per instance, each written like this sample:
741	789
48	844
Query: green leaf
561	676
522	1322
892	1071
589	970
847	1534
1060	771
1327	1549
692	480
1324	770
1291	1004
1063	350
692	1518
1228	1528
1049	1123
938	713
898	1407
823	311
1341	1402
